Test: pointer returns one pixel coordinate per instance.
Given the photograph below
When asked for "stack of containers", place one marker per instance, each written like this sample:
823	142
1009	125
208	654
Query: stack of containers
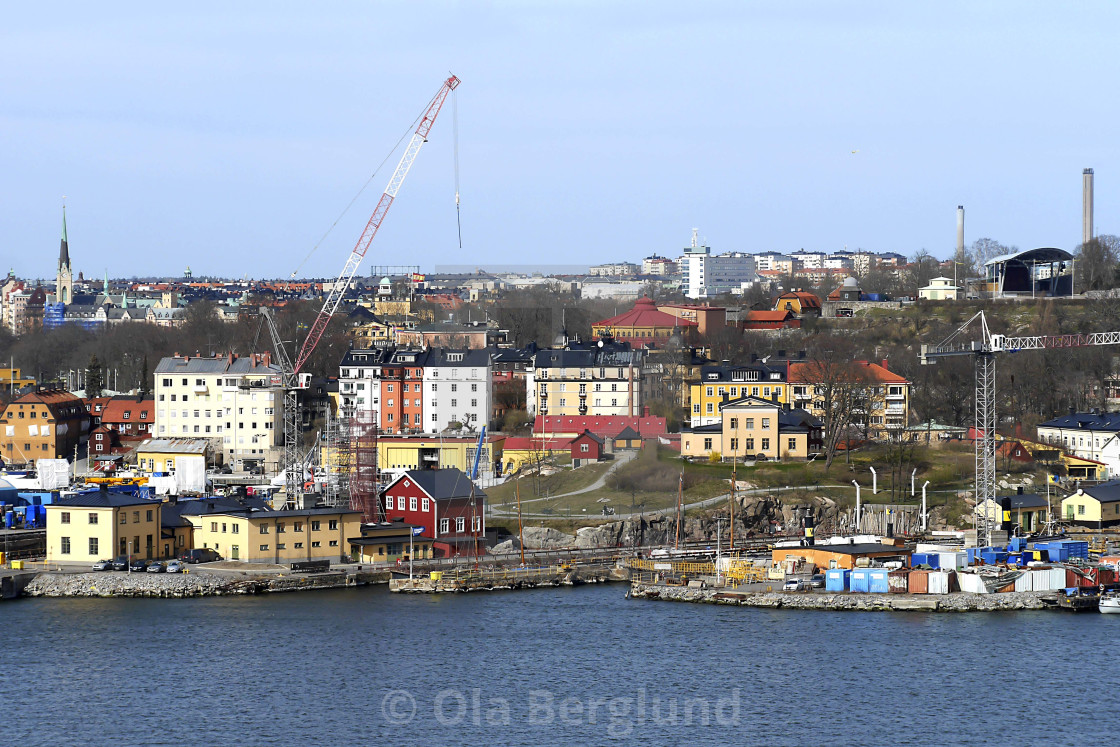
837	579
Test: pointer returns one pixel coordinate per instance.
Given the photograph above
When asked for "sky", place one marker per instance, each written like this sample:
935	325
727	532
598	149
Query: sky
230	137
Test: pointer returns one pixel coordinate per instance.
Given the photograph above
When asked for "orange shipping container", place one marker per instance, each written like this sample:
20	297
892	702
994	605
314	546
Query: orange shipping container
919	582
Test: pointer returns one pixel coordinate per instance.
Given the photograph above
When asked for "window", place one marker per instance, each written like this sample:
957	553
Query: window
280	527
695	408
281	546
765	444
93	546
149	515
460	524
710	407
425	504
333	543
92	518
65	519
264	548
734	422
299	545
213	526
412	503
124	517
444	526
750	444
584	447
476	523
388	503
315	526
765	423
707	444
236	529
734	444
792	444
332	524
298	527
264	528
65	546
1081	509
315	543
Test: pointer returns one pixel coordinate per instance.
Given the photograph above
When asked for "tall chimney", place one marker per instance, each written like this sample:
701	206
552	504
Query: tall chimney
960	232
1086	205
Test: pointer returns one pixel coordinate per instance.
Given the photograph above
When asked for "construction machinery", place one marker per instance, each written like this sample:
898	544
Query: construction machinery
983	352
293	377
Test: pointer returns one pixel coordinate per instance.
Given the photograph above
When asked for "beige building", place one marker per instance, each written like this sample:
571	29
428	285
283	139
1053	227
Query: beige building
754	428
940	289
46	424
238	400
102	525
277	536
600	378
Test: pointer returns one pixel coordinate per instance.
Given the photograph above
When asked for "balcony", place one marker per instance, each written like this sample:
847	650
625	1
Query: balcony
896	397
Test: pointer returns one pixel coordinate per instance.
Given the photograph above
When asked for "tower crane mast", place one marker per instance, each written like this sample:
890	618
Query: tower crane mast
293	377
983	352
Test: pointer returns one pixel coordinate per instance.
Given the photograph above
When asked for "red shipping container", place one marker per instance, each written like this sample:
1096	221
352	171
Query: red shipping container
1106	576
919	582
1072	579
897	581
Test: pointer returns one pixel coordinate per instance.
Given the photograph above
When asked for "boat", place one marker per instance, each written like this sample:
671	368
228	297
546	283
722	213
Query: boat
1079	599
1110	603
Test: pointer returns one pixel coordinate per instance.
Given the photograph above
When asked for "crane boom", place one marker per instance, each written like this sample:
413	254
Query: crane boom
338	290
983	353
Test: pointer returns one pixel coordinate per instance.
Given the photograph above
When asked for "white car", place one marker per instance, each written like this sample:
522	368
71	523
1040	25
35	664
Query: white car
794	584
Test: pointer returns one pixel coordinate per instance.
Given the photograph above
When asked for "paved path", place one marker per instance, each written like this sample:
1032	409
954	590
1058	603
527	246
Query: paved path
620	460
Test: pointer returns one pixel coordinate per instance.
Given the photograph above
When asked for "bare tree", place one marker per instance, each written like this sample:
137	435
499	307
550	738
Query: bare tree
837	385
1097	261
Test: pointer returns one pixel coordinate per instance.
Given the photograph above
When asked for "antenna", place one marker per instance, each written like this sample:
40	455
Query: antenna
695	239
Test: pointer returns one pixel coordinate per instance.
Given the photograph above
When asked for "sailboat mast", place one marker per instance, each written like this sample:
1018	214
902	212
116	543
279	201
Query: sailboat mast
520	529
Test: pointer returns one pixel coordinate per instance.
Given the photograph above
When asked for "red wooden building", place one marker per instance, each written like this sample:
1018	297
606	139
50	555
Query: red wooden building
586	447
443	501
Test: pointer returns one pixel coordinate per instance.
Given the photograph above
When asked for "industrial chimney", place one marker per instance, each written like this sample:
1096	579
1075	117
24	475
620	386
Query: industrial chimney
1086	205
960	232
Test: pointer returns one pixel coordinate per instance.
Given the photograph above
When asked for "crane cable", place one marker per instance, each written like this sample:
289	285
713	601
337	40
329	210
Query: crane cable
455	129
407	133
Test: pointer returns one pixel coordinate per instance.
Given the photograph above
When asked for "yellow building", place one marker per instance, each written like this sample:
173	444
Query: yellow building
167	454
276	536
389	542
1095	507
102	525
13	378
719	384
881	398
425	452
754	428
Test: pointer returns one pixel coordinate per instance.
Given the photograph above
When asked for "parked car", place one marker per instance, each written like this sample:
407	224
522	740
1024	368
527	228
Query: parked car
174	567
103	565
225	469
138	564
205	555
120	564
817	581
794	584
156	567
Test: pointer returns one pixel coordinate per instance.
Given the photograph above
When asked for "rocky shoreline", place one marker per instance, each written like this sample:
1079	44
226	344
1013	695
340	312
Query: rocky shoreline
956	602
176	586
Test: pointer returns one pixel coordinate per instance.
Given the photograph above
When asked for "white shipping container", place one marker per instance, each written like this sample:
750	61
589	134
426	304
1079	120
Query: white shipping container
926	547
938	582
1057	578
1026	582
952	560
971	582
1040	580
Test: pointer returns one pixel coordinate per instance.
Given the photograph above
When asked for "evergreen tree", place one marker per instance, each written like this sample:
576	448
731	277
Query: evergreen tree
94	377
144	375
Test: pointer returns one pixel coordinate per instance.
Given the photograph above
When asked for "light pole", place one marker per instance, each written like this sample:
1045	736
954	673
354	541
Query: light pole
857	505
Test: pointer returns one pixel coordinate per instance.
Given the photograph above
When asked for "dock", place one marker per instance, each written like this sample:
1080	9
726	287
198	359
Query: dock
476	579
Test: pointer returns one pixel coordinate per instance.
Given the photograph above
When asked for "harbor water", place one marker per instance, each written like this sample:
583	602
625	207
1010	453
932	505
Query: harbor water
578	665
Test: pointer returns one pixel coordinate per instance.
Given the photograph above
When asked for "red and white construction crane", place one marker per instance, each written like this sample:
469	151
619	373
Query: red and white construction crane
983	353
294	379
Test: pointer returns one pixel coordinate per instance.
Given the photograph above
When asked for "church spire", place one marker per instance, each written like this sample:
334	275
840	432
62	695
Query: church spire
64	252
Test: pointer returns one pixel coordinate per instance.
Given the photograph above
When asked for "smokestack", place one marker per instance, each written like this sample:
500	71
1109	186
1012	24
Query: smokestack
1086	205
960	231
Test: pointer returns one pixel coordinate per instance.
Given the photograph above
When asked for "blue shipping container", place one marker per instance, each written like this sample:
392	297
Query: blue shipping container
878	581
837	579
860	580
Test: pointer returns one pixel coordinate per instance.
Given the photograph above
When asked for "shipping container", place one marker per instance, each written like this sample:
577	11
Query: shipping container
937	582
971	582
1024	583
1041	579
1072	578
918	582
878	581
837	579
898	582
860	580
1057	578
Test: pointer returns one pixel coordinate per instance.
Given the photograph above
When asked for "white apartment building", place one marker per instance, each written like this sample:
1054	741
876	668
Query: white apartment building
808	260
615	269
236	401
656	265
458	388
704	275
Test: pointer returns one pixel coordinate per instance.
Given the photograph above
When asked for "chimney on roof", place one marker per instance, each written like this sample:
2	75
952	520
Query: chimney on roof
885	366
781	354
1019	490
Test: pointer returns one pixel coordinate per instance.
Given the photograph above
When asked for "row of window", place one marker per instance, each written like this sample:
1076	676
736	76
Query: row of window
297	527
149	514
734	391
65	546
299	545
582	388
542	373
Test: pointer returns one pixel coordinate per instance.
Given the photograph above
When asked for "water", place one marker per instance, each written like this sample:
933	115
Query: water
553	666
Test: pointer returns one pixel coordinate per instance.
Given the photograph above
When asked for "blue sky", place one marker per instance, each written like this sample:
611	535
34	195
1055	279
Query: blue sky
229	136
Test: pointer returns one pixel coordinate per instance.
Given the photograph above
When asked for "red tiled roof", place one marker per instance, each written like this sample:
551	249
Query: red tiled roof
116	408
648	426
808	300
644	314
769	316
873	372
527	443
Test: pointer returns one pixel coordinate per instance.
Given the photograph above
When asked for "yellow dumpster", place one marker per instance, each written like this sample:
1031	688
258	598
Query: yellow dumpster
3	559
17	565
436	575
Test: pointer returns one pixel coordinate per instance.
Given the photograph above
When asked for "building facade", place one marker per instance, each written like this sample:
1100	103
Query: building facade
46	424
101	525
238	400
604	378
445	502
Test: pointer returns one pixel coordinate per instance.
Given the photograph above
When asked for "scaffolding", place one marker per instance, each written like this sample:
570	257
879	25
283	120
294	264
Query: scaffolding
334	461
361	435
